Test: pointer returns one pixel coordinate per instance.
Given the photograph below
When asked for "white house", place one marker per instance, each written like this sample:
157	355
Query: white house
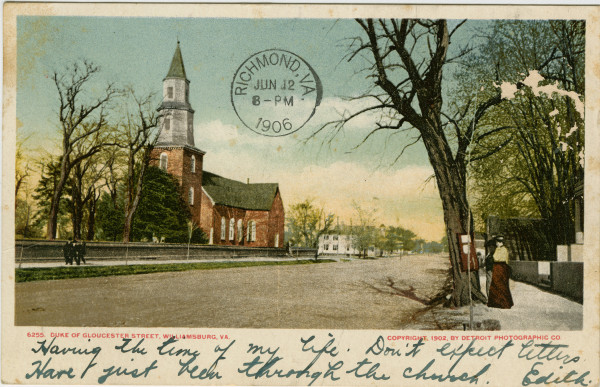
337	244
342	244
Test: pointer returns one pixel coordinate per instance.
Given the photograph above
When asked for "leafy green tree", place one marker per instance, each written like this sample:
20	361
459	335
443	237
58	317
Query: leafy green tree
24	220
43	193
419	245
24	205
307	222
22	168
398	238
386	242
407	237
444	243
199	237
110	219
364	233
433	247
161	211
540	161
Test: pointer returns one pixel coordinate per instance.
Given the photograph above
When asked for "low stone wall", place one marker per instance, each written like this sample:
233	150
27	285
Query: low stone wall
303	252
35	251
525	271
564	278
567	279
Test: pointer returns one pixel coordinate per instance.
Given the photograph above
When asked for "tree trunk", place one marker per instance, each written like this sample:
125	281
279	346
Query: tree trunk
52	219
91	224
130	208
127	226
54	205
460	295
77	215
450	178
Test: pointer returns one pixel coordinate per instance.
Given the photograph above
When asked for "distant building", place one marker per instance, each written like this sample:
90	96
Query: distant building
338	244
228	211
343	244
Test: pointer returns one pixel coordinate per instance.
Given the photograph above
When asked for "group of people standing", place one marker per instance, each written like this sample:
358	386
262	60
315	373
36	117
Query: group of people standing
498	274
74	251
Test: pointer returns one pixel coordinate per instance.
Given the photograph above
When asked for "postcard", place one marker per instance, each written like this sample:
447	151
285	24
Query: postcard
300	194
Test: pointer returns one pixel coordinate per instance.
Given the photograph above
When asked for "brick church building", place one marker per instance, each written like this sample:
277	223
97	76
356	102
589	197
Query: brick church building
228	211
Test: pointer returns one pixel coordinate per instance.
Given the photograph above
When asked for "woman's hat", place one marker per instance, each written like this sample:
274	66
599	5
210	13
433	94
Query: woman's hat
500	238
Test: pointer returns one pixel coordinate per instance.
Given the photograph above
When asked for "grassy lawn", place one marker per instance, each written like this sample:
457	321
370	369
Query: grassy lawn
57	273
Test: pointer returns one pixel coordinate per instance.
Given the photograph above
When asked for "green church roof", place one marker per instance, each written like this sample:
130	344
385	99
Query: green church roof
177	69
237	194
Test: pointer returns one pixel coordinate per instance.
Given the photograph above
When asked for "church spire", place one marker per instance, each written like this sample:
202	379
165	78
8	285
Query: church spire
177	69
177	127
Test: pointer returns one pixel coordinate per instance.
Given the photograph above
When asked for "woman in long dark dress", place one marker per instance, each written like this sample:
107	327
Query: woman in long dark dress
499	295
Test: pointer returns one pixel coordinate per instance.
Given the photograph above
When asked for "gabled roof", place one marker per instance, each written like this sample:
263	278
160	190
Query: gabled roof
177	70
237	194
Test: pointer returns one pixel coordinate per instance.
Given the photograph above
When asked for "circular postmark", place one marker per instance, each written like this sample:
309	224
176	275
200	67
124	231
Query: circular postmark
275	92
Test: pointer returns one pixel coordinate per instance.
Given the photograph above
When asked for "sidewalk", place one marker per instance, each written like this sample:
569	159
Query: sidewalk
534	310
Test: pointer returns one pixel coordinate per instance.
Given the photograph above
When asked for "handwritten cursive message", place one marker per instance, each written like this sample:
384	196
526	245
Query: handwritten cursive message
316	358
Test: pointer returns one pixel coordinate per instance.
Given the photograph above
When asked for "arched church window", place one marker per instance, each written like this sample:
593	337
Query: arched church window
251	231
163	161
223	228
167	123
193	164
191	196
170	92
240	230
231	228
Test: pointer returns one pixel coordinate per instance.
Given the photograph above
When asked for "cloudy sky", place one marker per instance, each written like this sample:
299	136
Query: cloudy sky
333	172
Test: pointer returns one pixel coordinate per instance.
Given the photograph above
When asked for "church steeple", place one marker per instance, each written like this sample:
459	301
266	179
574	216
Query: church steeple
175	151
177	126
177	69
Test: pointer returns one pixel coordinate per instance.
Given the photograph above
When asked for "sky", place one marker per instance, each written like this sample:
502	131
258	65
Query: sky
332	172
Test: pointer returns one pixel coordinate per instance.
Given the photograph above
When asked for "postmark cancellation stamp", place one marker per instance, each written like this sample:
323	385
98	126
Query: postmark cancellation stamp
275	92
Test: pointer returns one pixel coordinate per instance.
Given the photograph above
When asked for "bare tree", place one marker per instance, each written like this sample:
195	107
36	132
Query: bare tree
138	139
406	61
114	173
21	171
364	233
81	121
307	223
85	186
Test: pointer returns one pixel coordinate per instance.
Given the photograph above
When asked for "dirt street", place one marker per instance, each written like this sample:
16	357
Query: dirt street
362	294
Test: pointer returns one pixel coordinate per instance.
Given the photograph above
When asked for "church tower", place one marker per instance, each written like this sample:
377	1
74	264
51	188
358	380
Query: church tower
175	151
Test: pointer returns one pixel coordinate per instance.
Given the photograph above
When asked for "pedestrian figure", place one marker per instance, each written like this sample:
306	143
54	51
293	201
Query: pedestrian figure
77	252
499	295
72	252
67	252
316	255
83	251
489	264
